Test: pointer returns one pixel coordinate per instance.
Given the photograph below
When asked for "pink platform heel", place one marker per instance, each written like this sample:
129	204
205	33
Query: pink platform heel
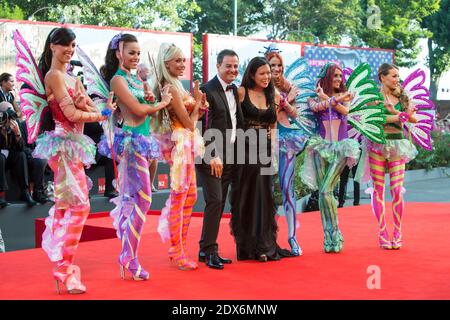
71	280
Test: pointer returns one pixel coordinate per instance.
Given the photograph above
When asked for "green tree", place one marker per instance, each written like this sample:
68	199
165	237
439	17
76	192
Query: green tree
148	14
31	6
301	20
217	17
164	15
8	11
399	23
438	44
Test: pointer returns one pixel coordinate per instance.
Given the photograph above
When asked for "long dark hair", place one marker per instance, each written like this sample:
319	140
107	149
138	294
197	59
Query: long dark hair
249	83
111	62
4	77
327	81
61	36
398	92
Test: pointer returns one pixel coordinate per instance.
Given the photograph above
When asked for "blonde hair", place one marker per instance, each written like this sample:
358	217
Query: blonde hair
167	52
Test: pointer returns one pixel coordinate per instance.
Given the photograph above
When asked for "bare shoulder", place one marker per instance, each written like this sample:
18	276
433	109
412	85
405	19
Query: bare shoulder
176	93
54	80
117	81
53	75
241	92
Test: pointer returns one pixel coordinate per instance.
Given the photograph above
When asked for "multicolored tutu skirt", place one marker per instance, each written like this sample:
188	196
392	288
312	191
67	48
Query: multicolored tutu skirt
179	148
75	146
129	142
402	148
393	148
290	140
347	150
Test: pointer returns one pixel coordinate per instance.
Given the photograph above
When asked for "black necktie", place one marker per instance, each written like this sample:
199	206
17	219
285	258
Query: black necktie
229	87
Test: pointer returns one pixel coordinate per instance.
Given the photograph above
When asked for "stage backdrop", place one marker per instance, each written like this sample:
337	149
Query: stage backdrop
246	48
92	39
346	57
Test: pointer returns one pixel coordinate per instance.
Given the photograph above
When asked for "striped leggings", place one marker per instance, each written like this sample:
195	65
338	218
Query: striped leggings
396	169
68	216
180	204
131	224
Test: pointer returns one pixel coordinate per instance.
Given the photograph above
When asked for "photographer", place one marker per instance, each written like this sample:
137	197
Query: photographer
36	167
12	155
6	90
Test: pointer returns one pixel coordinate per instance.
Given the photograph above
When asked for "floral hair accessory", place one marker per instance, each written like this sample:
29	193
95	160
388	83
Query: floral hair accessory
324	70
115	41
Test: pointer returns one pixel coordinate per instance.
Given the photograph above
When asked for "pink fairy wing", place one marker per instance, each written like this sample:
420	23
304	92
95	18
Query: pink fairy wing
420	98
421	131
32	99
417	92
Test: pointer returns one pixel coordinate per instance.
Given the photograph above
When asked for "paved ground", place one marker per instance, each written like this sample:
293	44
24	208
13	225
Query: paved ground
434	190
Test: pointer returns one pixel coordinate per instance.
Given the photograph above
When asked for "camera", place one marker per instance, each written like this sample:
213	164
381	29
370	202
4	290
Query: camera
6	115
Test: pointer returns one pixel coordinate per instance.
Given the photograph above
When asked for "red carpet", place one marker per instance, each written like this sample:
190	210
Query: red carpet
420	270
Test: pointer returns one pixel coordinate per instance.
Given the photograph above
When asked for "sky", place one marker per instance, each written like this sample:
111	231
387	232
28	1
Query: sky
444	84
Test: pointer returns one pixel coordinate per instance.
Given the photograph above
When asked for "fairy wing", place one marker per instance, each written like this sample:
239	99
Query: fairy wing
352	132
366	119
97	88
420	98
33	101
346	73
299	75
96	85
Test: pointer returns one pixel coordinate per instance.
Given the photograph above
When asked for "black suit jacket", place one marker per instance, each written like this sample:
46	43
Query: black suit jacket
219	115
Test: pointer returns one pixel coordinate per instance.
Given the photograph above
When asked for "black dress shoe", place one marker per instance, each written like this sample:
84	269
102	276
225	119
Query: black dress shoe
212	261
28	199
3	203
202	258
111	194
40	197
224	260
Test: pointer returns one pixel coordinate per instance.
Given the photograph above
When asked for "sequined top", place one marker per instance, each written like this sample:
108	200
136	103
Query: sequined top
62	124
397	107
137	90
189	104
325	112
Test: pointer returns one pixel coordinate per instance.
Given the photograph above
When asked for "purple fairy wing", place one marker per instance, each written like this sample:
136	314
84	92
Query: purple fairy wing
416	91
346	73
98	89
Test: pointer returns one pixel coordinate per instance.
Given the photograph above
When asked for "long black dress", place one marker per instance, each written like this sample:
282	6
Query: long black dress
253	224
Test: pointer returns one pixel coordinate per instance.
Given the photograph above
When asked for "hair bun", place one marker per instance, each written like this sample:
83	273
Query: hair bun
397	92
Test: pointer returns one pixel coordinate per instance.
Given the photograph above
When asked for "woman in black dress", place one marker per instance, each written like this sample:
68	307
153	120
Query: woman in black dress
253	225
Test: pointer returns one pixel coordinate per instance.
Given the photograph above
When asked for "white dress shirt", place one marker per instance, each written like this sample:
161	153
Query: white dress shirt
232	107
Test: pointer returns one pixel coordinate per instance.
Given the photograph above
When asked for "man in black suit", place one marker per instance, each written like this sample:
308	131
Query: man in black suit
219	169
